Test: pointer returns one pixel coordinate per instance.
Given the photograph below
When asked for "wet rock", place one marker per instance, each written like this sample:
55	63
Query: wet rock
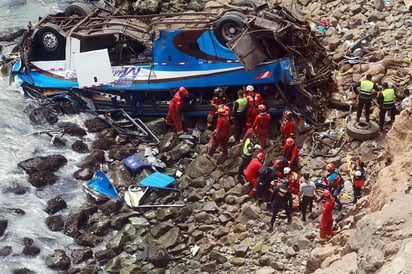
23	271
158	256
81	255
56	204
49	163
103	143
103	256
58	260
94	159
55	222
72	129
78	220
95	125
6	251
80	147
43	115
30	249
16	189
42	178
83	174
11	34
3	226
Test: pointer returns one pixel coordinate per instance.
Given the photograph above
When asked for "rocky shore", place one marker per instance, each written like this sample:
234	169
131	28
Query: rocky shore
221	229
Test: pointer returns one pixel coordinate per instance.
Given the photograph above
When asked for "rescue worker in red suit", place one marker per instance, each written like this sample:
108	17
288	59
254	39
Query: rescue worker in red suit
175	110
291	153
220	136
219	99
251	171
254	99
293	180
261	126
287	126
326	218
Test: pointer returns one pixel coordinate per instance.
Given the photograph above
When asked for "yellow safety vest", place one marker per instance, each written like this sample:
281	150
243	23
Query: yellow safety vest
246	151
366	88
388	98
242	103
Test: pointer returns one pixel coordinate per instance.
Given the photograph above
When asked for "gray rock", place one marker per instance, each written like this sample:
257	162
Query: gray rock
160	229
6	251
88	239
103	256
58	260
210	207
250	212
81	255
3	226
241	250
158	256
164	214
200	166
170	238
219	195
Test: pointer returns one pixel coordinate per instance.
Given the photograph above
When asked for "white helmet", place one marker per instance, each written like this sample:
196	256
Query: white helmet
286	170
249	88
358	173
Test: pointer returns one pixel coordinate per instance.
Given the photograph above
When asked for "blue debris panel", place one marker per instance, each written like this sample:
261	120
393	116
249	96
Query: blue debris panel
157	180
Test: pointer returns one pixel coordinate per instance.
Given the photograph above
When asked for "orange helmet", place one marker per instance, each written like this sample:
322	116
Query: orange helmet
261	156
183	91
330	167
221	110
326	194
290	141
261	108
288	114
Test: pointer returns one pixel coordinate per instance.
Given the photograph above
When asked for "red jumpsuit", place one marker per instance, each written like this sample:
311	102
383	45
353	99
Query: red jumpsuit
220	136
253	100
287	128
326	219
294	182
216	102
261	126
291	153
251	173
174	115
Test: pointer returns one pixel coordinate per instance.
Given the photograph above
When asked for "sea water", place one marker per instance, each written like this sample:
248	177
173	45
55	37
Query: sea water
18	142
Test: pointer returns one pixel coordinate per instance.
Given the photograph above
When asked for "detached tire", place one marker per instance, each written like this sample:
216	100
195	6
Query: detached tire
229	27
79	9
362	130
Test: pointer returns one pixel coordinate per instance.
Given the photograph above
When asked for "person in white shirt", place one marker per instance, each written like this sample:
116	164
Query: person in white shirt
307	192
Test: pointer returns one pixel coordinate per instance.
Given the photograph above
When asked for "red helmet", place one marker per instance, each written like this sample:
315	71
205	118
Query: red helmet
326	194
288	114
261	156
290	141
330	167
183	91
261	108
226	110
